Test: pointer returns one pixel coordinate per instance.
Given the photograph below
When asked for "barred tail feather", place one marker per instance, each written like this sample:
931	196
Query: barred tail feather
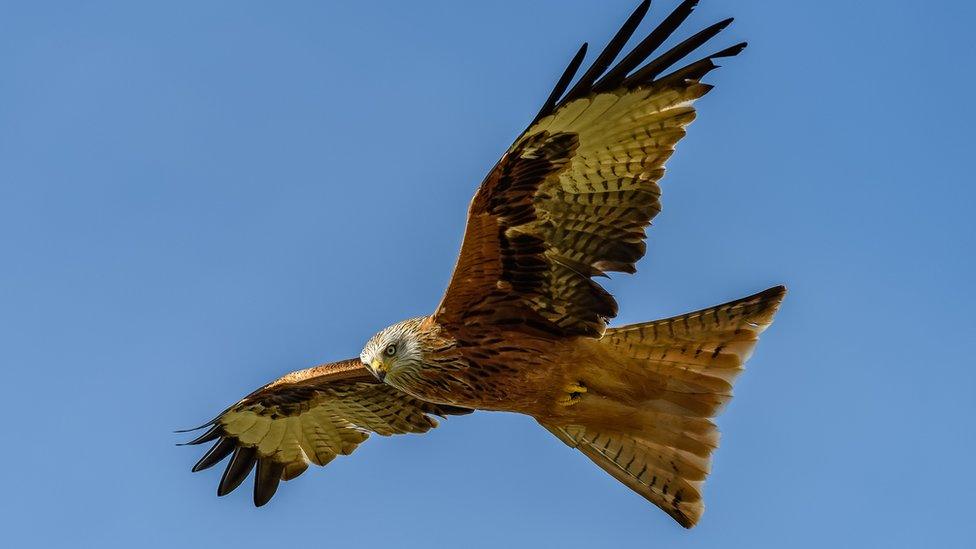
668	478
662	384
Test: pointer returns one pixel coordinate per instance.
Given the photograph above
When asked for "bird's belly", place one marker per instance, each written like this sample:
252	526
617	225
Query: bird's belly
526	381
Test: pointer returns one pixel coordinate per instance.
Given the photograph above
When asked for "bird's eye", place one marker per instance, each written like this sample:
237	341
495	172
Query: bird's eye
390	350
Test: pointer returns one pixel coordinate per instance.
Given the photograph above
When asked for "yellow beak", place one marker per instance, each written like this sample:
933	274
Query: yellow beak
379	369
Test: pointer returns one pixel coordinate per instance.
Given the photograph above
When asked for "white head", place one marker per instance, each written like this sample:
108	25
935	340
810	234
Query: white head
394	350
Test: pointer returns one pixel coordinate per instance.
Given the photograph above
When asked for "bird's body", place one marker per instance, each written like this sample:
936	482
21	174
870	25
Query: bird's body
460	373
540	376
522	326
637	400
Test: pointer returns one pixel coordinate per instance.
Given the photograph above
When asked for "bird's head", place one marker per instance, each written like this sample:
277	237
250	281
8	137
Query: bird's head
394	350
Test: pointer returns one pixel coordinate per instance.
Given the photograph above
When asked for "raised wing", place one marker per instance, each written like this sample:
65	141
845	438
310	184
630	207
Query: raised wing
308	416
572	197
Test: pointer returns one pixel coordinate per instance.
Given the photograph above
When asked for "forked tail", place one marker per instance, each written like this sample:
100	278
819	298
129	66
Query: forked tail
646	415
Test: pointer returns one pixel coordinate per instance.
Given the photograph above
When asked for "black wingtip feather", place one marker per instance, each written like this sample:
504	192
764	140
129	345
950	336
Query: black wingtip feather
215	454
649	72
731	51
698	69
213	434
626	72
237	470
562	84
609	53
642	51
266	480
207	424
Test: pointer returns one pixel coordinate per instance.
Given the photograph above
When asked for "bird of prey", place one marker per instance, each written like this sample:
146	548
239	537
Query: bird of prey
522	326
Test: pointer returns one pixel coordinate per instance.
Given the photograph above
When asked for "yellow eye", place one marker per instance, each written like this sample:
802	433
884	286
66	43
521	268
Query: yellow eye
390	350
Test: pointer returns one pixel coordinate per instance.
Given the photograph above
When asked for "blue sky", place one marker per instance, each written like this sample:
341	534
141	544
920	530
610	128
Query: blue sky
198	197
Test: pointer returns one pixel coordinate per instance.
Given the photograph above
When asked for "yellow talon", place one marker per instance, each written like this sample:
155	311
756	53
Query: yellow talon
575	388
572	394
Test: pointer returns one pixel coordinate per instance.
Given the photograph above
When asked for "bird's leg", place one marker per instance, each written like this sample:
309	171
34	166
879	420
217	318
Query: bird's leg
572	393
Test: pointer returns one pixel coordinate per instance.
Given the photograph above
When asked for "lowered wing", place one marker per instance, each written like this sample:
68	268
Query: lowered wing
308	416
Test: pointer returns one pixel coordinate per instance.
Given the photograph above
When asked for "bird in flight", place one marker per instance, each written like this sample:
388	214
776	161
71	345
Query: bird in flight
522	326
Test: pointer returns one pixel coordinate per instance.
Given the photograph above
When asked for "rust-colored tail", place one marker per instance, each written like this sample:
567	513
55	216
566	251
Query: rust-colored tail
646	417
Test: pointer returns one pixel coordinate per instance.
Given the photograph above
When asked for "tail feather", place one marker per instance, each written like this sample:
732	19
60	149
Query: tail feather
649	419
668	478
714	342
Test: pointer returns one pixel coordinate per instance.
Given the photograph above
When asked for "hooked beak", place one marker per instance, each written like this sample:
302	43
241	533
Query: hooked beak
378	369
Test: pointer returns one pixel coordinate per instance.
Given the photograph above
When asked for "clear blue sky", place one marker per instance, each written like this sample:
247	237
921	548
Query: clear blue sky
197	197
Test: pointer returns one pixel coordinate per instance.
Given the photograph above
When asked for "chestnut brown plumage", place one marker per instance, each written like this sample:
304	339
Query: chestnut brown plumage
522	326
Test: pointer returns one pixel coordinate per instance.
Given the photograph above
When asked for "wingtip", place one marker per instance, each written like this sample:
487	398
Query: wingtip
213	433
606	57
215	454
240	466
731	51
774	294
266	480
775	290
580	55
207	424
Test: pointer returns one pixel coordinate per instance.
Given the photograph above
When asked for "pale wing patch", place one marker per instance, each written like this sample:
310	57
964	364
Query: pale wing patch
310	416
593	214
332	423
